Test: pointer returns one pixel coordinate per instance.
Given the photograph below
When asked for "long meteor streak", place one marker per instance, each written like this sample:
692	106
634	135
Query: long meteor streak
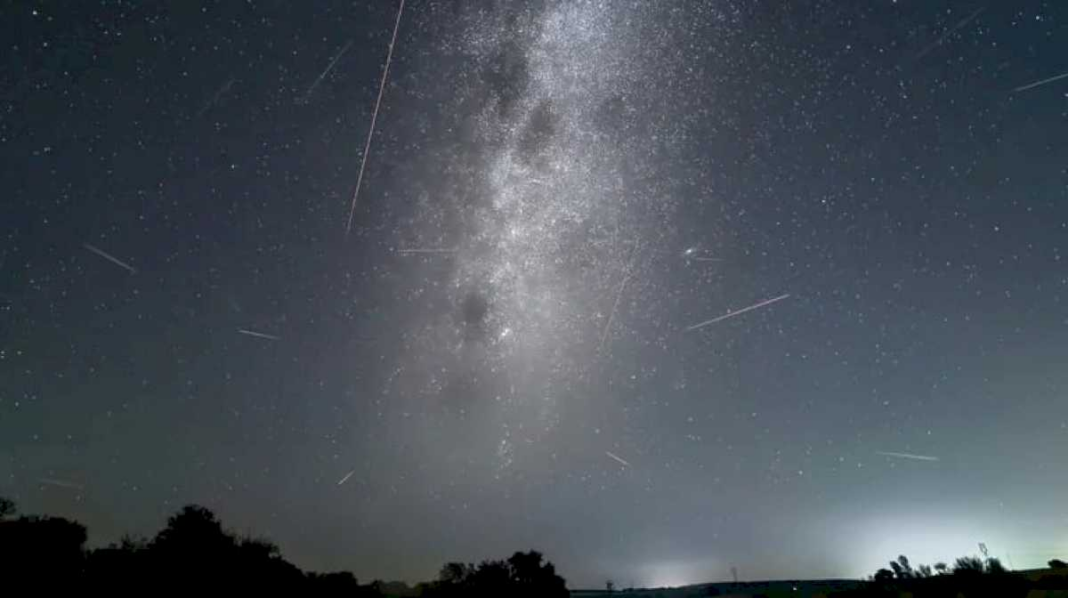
307	95
737	313
61	484
374	117
1040	83
612	314
906	456
950	32
110	258
270	337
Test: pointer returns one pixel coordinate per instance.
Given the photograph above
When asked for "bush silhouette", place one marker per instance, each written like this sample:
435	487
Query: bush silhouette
971	576
902	568
45	551
522	575
7	507
968	565
194	553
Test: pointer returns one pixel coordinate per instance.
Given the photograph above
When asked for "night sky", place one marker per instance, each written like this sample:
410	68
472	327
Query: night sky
504	352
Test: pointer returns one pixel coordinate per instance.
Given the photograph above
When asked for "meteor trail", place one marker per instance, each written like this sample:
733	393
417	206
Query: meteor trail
906	456
691	254
374	117
737	313
949	32
346	478
110	258
429	250
615	304
215	98
617	458
259	334
1040	83
61	484
307	95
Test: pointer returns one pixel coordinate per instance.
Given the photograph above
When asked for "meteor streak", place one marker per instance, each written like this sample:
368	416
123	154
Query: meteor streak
737	313
374	117
110	258
259	334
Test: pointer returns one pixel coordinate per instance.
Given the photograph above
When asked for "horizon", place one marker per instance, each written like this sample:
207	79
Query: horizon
666	581
913	569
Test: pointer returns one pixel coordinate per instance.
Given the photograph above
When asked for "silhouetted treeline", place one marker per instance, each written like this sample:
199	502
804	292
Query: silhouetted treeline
524	575
968	576
194	552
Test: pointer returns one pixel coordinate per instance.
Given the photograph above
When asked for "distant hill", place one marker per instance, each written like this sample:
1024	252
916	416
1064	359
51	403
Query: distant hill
1043	583
796	588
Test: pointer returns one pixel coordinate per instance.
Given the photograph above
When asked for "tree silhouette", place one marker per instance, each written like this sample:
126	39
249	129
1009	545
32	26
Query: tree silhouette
901	567
972	576
192	531
522	575
1057	564
532	578
126	561
7	508
493	578
336	584
455	573
968	565
194	553
47	551
192	549
994	566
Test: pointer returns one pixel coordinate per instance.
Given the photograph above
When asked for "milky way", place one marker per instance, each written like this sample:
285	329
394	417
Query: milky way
543	220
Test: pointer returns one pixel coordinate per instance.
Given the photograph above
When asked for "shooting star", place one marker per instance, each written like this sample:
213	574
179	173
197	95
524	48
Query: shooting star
615	304
428	250
1040	83
270	337
215	98
304	99
691	254
110	258
617	458
906	456
374	117
949	32
61	484
346	478
738	313
612	314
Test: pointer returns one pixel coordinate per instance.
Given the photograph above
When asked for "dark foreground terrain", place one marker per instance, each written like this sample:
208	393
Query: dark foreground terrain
194	552
1037	583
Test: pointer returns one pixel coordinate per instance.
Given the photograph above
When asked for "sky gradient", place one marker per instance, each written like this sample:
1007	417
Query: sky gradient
504	352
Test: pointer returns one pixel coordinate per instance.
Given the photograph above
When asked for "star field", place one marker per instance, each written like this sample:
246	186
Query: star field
658	289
